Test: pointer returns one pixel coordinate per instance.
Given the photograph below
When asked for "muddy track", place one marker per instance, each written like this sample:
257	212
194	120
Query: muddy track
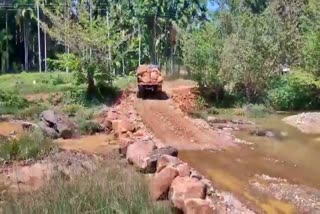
173	128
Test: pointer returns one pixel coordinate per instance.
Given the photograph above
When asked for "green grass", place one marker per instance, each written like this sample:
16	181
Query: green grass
45	82
113	188
125	82
32	145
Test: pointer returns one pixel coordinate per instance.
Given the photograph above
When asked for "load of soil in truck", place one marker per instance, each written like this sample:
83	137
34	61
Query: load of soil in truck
149	79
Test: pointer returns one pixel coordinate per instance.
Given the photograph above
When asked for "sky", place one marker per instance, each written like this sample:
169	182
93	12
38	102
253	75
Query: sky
212	6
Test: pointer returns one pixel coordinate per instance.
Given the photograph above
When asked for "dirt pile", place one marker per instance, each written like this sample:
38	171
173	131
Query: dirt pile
149	74
186	98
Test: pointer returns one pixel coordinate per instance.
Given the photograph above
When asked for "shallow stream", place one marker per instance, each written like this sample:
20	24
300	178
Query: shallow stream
294	157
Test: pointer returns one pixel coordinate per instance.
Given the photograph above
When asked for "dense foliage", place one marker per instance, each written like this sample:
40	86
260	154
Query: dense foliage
241	49
249	47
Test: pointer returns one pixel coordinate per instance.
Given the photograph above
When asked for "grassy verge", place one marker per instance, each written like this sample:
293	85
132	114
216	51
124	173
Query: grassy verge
31	145
112	189
32	83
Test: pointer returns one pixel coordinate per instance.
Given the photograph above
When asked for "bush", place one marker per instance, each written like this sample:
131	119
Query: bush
31	145
32	111
111	189
297	91
10	99
89	127
72	109
75	95
255	110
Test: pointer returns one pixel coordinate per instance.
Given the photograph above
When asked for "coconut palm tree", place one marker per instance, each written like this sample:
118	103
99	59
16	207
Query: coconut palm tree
23	17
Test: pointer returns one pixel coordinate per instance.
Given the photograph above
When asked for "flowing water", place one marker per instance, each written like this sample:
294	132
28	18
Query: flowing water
294	157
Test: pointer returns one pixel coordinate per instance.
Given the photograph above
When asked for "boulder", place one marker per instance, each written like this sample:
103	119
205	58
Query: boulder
183	188
195	174
50	117
166	160
27	126
157	153
162	181
124	142
122	126
183	169
60	123
48	131
197	206
138	153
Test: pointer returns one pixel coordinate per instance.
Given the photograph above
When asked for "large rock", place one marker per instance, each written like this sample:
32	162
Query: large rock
124	142
60	123
162	181
183	188
138	153
122	126
166	160
157	153
197	206
184	170
48	131
308	123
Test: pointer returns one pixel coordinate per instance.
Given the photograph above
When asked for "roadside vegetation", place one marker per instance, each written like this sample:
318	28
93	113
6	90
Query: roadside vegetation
31	145
112	189
242	56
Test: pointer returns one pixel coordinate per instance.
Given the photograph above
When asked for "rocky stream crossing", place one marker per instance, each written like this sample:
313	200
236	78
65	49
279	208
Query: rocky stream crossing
215	165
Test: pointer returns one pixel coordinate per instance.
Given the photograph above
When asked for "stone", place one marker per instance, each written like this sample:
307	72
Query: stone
184	170
60	123
50	117
162	181
183	188
48	131
138	153
197	206
195	174
157	153
27	126
124	142
166	160
122	126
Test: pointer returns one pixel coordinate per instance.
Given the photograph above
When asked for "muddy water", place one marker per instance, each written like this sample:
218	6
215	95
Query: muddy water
7	128
294	157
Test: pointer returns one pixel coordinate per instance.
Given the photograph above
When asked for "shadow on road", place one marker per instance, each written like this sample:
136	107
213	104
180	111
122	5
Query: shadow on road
149	95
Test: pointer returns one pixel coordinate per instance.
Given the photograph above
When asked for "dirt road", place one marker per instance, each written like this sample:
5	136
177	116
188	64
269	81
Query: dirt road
172	127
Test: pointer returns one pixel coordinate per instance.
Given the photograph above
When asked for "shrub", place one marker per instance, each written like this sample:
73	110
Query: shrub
72	109
75	95
256	110
31	145
10	99
89	127
299	90
32	111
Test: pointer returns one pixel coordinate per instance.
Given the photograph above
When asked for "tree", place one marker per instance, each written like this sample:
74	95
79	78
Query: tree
23	16
4	50
86	36
251	55
201	55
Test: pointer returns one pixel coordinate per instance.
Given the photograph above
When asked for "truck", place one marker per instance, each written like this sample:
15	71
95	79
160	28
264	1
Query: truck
150	79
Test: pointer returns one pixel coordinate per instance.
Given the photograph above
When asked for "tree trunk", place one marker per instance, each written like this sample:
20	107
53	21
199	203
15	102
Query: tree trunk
91	89
154	38
7	43
25	42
